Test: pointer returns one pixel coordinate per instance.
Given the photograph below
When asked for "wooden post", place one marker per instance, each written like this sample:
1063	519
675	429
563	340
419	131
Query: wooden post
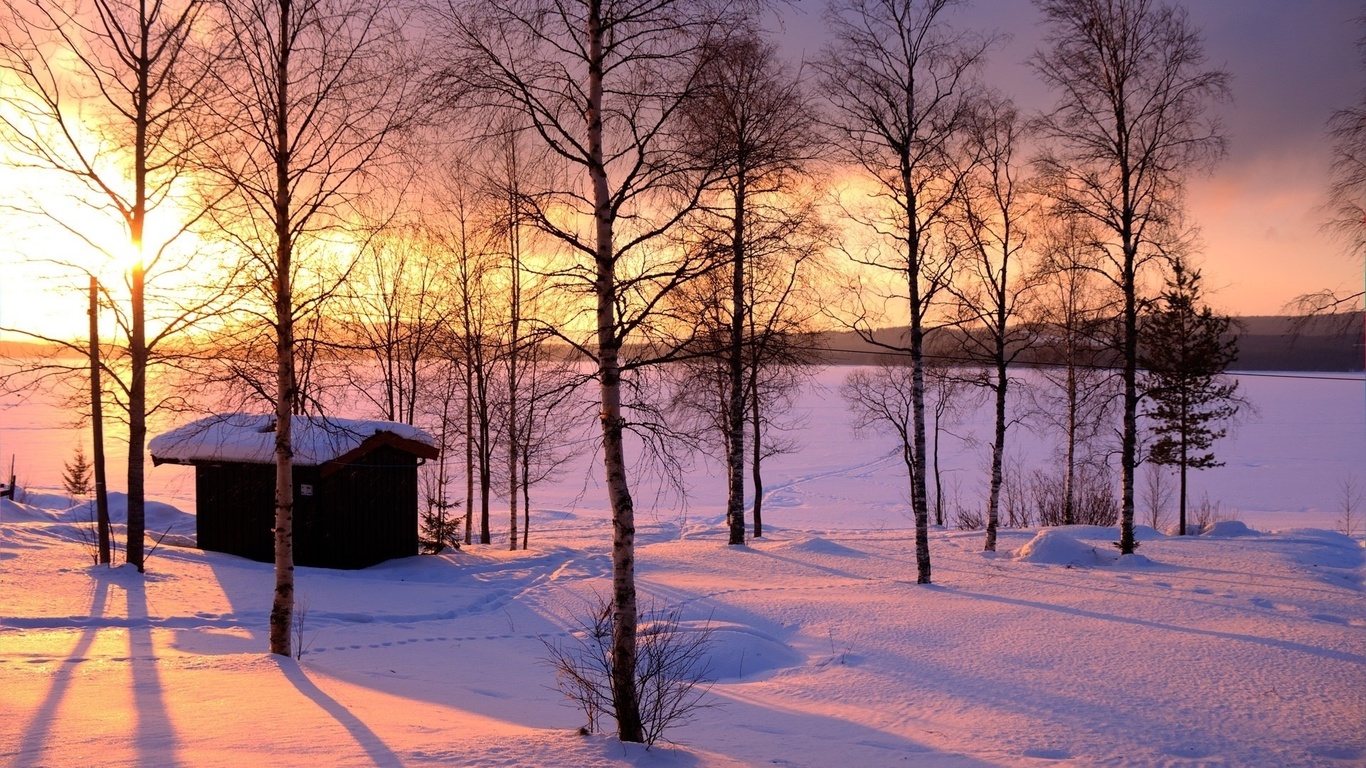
97	424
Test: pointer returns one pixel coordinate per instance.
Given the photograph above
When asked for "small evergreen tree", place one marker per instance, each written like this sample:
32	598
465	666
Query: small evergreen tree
1185	350
76	474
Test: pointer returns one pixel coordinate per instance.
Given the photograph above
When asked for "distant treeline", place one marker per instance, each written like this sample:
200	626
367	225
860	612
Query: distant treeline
1265	343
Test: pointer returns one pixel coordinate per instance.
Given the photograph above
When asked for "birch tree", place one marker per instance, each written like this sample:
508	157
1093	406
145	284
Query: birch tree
994	285
1074	317
902	91
317	92
1131	121
601	82
104	94
759	124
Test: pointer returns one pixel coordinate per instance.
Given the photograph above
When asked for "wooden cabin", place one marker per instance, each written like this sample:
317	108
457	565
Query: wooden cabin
355	486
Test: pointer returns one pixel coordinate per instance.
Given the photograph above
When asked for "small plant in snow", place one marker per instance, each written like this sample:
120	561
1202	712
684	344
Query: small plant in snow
1207	513
966	518
671	669
300	617
1350	497
76	481
76	475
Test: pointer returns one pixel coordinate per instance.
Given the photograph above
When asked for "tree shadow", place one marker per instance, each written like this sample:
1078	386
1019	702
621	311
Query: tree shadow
156	737
374	746
1284	645
39	727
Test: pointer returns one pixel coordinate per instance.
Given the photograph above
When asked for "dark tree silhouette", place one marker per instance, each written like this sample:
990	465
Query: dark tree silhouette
901	85
1131	121
1185	349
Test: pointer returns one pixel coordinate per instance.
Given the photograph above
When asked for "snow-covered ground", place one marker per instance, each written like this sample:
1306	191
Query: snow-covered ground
1239	648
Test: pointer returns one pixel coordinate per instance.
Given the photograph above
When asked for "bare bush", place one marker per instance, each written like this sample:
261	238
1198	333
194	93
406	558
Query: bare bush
87	531
671	669
1039	498
1157	494
1015	497
1207	513
1350	497
1047	492
967	518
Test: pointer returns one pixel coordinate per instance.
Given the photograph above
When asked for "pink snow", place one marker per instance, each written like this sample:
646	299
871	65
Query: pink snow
1222	649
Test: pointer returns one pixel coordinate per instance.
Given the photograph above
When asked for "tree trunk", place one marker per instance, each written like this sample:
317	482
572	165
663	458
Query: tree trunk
282	608
998	449
919	503
97	426
756	463
625	698
514	310
137	420
469	441
1182	505
1129	446
735	406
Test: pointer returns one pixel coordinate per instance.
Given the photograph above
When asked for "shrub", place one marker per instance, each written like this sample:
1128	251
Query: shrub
671	669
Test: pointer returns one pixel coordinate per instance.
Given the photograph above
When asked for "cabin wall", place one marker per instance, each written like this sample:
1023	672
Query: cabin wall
374	504
356	516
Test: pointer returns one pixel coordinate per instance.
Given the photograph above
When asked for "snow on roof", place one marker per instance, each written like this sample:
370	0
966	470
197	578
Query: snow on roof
249	438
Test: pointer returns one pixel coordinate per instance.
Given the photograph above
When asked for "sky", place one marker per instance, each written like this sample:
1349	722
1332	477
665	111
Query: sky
1293	62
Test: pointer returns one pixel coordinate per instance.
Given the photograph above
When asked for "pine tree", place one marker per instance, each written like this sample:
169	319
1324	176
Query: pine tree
1185	350
76	474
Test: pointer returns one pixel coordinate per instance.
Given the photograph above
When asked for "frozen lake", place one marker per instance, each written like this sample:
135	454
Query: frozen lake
1285	461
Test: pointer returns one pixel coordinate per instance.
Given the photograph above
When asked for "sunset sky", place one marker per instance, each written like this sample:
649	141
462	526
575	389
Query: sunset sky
1293	63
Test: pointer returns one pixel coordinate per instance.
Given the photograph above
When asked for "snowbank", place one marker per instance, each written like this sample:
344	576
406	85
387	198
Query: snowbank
1228	528
1058	546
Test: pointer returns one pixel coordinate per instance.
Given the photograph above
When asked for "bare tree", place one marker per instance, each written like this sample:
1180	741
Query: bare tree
1073	318
601	83
316	93
1346	208
901	84
1131	121
106	91
994	286
757	123
395	313
880	399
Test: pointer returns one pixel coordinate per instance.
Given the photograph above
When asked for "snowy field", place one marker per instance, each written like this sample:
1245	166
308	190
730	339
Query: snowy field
1245	647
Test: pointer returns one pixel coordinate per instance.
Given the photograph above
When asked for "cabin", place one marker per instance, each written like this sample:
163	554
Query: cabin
355	486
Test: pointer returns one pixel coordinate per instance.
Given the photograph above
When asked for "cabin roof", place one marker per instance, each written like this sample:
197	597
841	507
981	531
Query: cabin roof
250	439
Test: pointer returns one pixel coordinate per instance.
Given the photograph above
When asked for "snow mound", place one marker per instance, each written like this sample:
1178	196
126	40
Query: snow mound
816	545
1056	546
1228	528
740	653
46	500
13	511
1324	536
1145	533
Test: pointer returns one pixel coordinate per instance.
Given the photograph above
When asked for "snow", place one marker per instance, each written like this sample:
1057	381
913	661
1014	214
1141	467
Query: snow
250	438
1224	649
